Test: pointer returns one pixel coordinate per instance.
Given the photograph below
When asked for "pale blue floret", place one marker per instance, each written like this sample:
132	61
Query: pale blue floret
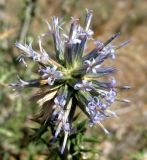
60	101
84	85
110	96
51	73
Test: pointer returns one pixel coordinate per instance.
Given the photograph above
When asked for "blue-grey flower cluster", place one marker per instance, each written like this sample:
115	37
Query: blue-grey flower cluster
72	78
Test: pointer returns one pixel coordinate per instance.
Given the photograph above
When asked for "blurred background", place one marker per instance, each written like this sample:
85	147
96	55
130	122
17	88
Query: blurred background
23	20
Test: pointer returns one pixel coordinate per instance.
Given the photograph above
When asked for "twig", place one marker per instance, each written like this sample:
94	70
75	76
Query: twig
29	13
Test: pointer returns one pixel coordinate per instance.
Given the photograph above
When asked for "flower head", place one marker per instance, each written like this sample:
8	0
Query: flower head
72	78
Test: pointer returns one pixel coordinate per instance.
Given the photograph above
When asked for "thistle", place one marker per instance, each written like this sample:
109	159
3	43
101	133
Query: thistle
72	78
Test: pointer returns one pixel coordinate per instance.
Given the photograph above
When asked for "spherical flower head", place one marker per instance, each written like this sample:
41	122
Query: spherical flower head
72	78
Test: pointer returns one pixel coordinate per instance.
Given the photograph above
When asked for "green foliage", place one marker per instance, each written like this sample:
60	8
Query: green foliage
142	155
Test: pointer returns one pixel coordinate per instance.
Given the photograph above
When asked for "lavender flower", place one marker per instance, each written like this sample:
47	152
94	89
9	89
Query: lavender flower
84	85
72	78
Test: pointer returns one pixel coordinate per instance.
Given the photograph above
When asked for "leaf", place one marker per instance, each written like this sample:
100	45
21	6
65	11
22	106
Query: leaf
91	139
47	97
89	150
